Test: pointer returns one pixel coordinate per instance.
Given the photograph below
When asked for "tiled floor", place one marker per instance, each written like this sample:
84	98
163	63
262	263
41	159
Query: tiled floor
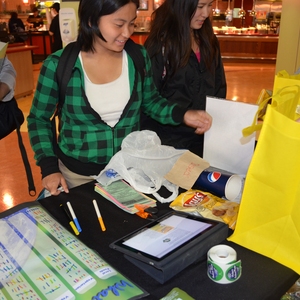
245	81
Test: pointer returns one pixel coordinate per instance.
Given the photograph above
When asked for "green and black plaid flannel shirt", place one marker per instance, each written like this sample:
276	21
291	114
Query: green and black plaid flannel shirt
85	139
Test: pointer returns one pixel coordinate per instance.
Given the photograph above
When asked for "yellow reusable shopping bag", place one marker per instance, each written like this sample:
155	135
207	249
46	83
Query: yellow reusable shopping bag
284	79
268	220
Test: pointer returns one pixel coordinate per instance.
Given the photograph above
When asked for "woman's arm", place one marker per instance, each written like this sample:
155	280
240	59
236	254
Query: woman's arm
39	119
4	90
7	80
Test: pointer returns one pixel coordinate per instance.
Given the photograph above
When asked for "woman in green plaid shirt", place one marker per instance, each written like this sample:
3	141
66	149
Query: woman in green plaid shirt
103	101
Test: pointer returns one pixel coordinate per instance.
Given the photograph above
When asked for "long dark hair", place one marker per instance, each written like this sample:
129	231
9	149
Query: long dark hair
170	30
89	13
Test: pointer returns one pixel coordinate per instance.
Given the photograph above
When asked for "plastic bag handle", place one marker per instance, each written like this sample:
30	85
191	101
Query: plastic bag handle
171	188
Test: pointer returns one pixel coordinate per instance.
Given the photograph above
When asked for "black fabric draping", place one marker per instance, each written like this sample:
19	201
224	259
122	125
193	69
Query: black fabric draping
262	278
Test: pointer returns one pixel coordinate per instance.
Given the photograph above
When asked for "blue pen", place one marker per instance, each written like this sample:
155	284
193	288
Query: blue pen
74	216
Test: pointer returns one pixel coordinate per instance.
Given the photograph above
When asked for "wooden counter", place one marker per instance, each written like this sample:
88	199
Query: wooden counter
140	37
238	47
42	39
20	56
248	47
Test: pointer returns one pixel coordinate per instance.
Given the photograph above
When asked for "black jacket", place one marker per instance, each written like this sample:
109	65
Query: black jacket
189	88
14	24
56	39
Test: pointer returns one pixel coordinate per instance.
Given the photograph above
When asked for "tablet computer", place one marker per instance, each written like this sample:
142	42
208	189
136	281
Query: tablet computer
173	235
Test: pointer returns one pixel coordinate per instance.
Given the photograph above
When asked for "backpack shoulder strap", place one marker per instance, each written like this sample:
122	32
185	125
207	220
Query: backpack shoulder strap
63	74
64	70
19	121
134	50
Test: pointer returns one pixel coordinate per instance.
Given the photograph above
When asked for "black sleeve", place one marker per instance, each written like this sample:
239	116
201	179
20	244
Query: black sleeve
221	85
157	65
175	89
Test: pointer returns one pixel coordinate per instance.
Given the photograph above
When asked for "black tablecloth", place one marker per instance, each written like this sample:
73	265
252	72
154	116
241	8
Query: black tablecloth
262	278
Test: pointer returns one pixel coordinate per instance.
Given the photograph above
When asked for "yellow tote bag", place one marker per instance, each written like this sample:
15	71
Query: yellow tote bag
269	220
284	79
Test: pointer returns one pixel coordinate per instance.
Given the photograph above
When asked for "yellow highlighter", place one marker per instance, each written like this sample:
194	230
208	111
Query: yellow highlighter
70	219
99	215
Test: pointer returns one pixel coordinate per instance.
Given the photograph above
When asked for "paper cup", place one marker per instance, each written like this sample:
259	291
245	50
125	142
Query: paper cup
221	185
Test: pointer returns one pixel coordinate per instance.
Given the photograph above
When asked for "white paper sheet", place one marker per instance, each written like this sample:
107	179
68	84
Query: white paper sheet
224	144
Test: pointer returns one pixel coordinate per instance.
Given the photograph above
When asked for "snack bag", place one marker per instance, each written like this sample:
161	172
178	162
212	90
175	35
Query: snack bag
208	206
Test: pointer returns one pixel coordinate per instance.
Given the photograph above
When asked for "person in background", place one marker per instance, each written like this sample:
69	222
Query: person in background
103	101
35	19
54	29
7	80
14	23
186	63
16	28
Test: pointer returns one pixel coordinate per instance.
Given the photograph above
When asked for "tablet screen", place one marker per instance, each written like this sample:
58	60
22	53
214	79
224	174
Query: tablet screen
166	235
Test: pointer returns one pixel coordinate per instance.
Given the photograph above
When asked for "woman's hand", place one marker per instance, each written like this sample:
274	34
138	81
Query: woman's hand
53	181
198	119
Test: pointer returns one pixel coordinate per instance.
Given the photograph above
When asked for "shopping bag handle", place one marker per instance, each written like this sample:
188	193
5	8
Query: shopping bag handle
274	103
285	74
256	126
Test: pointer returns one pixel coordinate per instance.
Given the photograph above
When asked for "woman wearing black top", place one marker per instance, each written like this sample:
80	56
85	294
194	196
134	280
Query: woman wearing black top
186	64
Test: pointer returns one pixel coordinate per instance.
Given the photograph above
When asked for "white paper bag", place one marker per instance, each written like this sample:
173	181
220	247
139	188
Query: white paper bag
224	144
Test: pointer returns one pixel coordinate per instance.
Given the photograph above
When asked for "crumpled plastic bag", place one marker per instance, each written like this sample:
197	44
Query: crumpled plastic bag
143	162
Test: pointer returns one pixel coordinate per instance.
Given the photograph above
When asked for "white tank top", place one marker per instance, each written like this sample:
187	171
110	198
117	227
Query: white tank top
109	99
